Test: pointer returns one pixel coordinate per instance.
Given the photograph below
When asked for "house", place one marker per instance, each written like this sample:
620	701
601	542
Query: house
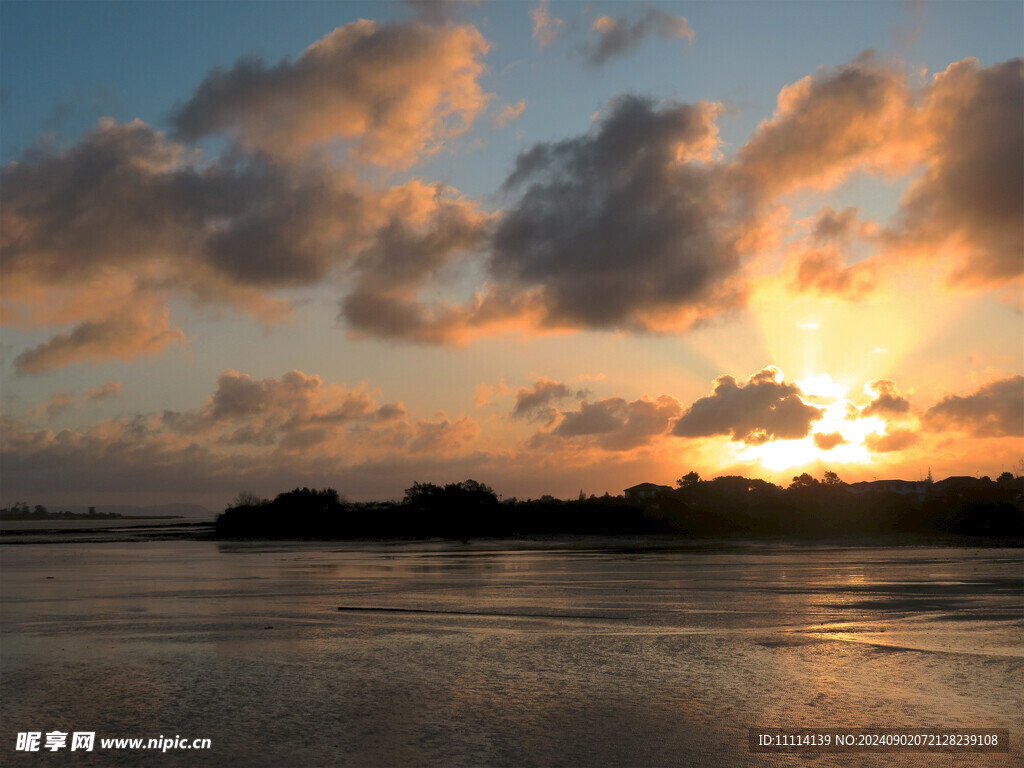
646	491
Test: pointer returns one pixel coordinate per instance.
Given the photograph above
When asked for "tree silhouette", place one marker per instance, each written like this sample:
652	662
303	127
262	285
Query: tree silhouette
831	478
689	480
803	481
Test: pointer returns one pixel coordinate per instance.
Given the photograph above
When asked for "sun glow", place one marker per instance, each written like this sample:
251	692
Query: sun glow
821	385
837	437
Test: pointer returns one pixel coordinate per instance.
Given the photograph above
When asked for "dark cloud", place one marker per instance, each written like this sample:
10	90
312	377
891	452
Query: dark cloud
126	217
292	403
393	90
995	409
832	226
536	402
424	235
886	402
618	425
765	408
413	320
126	197
614	37
622	228
594	418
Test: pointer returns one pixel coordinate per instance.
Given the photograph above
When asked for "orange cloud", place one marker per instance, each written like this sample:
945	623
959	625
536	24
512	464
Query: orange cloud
545	26
967	204
99	394
818	263
125	335
509	113
827	441
897	440
393	90
856	117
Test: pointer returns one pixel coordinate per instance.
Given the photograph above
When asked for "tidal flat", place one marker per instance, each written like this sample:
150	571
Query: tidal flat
555	653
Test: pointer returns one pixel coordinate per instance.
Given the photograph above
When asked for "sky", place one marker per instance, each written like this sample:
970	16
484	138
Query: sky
551	246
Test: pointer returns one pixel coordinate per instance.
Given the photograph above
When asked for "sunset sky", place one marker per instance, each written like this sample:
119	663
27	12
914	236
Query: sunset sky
548	246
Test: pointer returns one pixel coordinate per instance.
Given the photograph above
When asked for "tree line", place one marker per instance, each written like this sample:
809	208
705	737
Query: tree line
725	507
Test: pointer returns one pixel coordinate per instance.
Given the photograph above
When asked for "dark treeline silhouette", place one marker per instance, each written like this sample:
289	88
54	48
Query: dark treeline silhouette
810	508
724	507
458	510
21	511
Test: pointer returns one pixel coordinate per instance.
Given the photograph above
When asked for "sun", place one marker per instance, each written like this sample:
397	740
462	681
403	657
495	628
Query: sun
837	437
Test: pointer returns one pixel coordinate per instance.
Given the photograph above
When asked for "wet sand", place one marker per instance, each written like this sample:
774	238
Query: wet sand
493	654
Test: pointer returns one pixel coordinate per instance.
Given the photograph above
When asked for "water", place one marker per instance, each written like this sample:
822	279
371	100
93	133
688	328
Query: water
479	655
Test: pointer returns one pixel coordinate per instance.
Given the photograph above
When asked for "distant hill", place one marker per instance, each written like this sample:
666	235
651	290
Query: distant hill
157	510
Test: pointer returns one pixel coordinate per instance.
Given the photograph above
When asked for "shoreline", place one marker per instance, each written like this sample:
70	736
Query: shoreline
666	542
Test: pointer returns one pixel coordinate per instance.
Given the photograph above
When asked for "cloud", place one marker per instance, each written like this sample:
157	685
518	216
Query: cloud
818	263
495	310
124	336
625	227
485	393
960	132
301	414
765	408
832	226
618	425
64	401
393	91
897	440
444	437
427	230
995	409
268	431
545	26
126	210
534	403
274	433
856	117
968	201
126	217
827	441
826	273
636	226
54	407
99	394
295	411
614	37
509	113
886	400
